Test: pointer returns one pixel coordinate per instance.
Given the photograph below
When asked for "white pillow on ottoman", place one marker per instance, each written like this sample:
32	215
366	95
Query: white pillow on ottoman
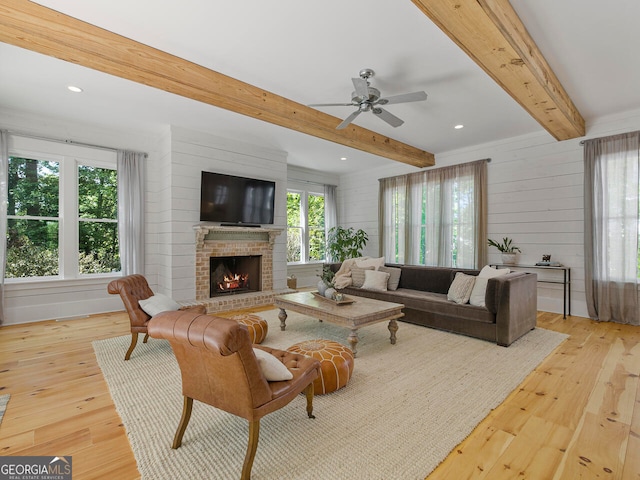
158	303
480	287
272	368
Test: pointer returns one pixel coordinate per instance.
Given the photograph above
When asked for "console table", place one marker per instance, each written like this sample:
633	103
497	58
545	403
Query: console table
566	281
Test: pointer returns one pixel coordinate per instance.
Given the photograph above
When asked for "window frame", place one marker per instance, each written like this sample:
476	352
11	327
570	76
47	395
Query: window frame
304	220
69	158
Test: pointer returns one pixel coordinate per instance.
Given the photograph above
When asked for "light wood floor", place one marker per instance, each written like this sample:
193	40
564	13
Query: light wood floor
576	416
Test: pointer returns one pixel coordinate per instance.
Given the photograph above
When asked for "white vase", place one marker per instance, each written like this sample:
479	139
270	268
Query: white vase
509	258
322	287
330	292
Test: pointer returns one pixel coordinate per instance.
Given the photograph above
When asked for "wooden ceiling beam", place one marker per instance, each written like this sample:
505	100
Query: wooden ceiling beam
493	35
43	30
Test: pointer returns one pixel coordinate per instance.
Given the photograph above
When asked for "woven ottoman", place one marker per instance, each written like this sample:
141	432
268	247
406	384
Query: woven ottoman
336	363
258	326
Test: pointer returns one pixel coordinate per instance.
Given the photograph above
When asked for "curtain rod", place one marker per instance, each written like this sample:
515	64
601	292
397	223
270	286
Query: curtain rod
69	142
309	181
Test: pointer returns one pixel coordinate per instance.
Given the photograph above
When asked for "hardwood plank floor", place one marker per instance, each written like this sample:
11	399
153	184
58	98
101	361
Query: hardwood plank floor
576	416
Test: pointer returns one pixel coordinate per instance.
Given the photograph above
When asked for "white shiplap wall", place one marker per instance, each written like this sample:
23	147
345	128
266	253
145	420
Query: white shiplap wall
191	153
535	196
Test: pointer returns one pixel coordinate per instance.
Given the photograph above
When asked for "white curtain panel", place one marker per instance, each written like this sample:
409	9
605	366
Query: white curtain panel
131	211
330	209
612	167
435	217
4	176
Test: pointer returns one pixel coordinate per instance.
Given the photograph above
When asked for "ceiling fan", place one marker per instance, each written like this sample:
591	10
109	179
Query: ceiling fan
367	99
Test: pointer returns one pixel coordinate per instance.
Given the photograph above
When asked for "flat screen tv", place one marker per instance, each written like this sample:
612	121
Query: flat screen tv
236	200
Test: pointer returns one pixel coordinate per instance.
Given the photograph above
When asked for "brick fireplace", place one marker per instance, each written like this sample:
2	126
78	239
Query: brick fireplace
233	246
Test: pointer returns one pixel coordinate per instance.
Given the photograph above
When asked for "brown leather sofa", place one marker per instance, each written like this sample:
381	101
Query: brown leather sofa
510	311
219	368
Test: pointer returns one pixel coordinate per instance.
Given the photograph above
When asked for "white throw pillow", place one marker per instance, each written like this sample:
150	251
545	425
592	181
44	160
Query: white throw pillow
370	262
158	303
374	280
394	276
480	287
460	289
272	368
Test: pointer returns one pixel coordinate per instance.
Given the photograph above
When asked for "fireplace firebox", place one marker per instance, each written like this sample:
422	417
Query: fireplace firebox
235	274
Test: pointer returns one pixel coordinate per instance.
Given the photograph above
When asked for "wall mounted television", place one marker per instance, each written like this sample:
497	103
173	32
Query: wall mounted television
236	200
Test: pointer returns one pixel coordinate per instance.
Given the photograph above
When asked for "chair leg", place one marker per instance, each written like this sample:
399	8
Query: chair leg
134	342
254	436
184	421
146	337
309	392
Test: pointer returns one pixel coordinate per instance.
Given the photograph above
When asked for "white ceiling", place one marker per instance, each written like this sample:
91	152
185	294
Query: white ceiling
308	52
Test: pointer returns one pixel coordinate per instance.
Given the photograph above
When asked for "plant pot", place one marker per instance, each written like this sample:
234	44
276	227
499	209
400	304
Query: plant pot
509	258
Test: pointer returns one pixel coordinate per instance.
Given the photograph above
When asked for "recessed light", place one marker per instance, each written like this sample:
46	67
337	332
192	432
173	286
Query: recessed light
343	158
74	89
459	126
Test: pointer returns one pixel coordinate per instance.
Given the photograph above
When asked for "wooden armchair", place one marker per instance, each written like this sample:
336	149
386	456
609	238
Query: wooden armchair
219	368
132	289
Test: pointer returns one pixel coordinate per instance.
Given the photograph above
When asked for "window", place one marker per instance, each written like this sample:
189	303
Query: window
433	217
306	237
32	218
61	211
98	220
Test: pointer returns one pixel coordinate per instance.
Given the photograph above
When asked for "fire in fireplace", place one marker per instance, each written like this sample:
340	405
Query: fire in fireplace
237	274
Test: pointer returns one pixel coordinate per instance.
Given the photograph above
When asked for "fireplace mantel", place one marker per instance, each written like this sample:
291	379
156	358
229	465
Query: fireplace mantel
220	233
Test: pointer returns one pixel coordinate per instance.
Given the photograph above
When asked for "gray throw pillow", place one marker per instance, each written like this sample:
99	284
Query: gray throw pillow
357	275
394	276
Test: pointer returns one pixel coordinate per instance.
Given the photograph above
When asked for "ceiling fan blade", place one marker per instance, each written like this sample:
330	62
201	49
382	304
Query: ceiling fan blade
388	117
361	86
348	120
404	98
332	104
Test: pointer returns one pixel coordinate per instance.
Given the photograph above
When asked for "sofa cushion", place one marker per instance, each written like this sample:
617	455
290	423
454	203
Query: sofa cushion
370	262
394	276
374	280
435	279
460	289
480	288
357	275
436	303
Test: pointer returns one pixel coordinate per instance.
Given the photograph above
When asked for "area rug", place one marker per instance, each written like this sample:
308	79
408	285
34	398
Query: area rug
405	408
4	399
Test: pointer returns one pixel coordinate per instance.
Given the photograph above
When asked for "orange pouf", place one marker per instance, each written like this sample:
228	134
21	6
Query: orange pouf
336	363
258	326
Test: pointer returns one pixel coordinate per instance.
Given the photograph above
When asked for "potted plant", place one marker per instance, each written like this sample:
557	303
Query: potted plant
507	248
343	243
326	279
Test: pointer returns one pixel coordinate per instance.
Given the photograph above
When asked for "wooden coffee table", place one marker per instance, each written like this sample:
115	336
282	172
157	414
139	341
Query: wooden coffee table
360	313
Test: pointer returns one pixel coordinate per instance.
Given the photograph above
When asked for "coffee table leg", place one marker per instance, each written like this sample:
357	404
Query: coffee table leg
283	318
393	328
353	341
